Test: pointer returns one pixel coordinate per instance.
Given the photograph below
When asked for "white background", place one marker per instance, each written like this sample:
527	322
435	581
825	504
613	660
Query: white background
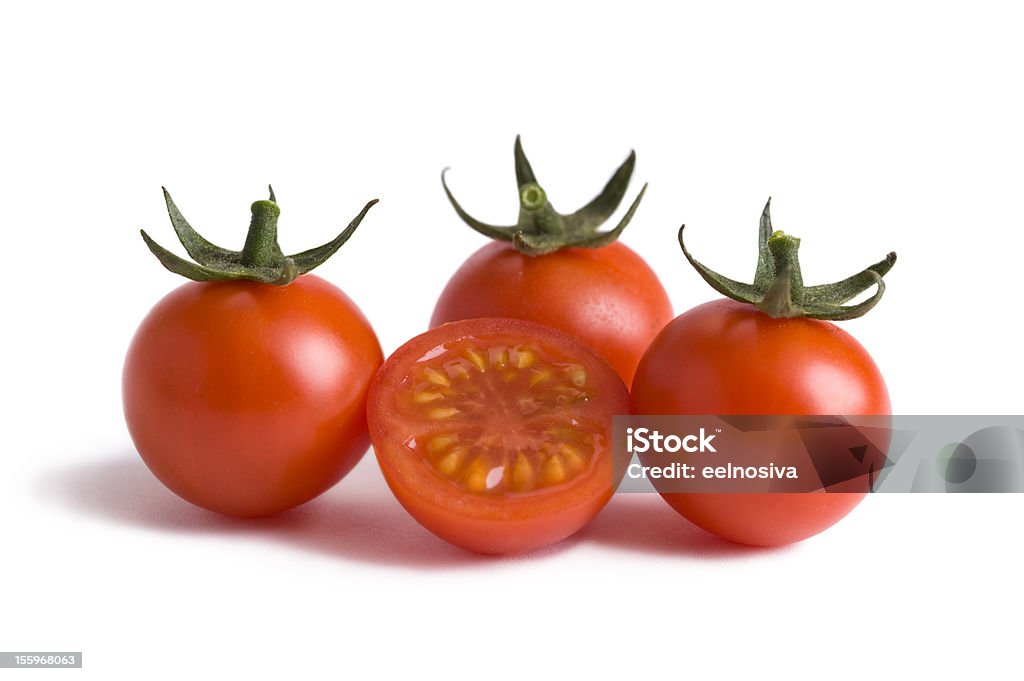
880	127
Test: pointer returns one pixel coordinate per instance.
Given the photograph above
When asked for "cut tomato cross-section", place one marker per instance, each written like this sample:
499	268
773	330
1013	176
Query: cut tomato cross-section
495	434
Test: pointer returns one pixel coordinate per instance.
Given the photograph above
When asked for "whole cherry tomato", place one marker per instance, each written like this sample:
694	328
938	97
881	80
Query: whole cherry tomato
768	351
245	390
558	270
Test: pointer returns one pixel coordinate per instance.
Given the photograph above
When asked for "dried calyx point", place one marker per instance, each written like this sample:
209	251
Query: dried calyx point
260	259
778	289
541	229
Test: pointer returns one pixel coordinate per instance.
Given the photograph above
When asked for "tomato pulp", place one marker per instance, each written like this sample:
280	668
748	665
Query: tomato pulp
248	399
496	434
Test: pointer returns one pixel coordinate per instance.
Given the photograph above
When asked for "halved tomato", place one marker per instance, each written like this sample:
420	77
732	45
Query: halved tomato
496	434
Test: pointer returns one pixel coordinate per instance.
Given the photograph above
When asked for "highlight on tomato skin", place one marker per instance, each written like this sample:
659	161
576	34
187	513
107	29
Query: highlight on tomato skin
496	434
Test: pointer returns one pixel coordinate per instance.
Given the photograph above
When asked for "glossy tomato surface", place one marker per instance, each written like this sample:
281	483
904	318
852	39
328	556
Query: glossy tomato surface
726	357
496	434
607	297
249	399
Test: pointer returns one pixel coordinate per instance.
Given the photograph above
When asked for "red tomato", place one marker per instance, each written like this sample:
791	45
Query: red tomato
249	399
495	434
607	297
726	357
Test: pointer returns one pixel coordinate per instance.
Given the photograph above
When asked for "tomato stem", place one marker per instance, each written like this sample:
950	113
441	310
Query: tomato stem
261	249
541	229
259	260
532	196
778	289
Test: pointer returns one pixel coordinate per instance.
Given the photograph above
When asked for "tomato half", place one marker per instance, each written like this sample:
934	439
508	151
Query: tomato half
248	399
726	357
607	297
495	434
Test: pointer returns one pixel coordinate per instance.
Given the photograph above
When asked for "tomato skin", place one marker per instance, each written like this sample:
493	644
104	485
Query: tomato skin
607	297
477	523
499	535
725	357
248	399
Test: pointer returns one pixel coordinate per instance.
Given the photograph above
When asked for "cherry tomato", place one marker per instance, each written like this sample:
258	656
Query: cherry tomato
248	399
607	297
561	271
245	390
726	357
495	434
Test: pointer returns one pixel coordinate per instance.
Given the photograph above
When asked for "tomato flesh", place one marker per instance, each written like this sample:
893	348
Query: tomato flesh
495	434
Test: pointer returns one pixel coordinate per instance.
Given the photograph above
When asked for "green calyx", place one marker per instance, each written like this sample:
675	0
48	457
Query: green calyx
541	229
260	259
778	289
